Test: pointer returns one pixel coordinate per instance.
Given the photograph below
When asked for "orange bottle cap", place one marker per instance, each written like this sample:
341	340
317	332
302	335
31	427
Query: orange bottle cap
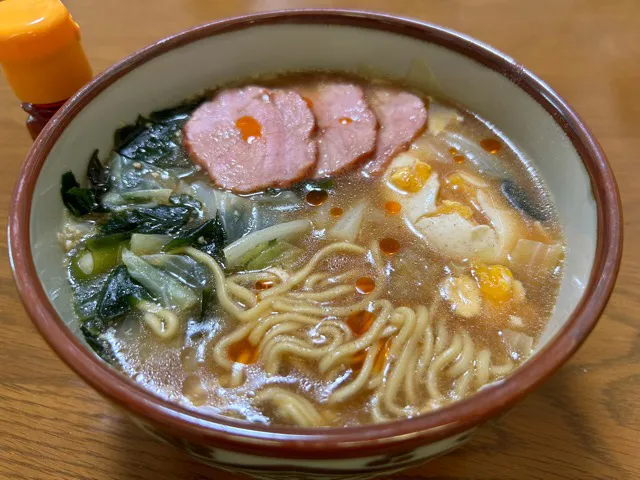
40	51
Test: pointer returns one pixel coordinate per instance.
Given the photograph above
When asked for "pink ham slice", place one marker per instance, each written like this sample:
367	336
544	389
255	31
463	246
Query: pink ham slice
402	116
252	138
346	126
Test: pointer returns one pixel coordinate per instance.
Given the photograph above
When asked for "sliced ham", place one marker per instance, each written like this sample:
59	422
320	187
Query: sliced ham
401	116
252	138
346	125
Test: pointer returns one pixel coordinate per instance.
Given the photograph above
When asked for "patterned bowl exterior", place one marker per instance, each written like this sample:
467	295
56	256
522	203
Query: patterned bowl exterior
270	468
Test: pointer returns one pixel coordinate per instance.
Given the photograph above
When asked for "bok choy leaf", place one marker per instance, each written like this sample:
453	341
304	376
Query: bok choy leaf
169	291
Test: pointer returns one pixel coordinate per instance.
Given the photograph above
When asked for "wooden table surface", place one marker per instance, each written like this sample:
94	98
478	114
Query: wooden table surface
582	424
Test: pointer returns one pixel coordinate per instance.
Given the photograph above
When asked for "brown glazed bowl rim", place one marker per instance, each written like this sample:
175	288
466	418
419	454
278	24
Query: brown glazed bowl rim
289	442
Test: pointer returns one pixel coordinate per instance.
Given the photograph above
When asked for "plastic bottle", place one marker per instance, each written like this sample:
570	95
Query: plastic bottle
41	56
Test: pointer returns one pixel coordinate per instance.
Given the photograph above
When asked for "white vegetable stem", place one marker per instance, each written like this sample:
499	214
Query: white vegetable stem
348	226
237	249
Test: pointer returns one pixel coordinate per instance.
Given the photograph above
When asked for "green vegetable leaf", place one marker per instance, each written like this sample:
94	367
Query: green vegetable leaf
161	219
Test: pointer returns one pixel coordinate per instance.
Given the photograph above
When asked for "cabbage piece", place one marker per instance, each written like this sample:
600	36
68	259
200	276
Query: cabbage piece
503	222
454	236
168	290
440	117
431	148
144	244
348	227
424	202
265	255
115	200
235	252
484	161
243	215
531	252
472	179
182	267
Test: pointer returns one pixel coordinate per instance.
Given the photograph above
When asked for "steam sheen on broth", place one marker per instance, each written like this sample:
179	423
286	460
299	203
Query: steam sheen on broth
360	296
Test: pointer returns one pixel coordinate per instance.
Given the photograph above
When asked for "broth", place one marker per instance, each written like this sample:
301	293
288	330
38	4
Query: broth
394	319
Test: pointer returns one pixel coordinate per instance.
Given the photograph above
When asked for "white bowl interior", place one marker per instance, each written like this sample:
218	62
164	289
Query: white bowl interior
168	79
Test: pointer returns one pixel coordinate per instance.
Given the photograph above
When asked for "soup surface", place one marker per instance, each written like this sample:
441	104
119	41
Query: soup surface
315	251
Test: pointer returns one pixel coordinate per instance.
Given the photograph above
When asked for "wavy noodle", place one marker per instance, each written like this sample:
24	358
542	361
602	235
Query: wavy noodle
294	408
301	323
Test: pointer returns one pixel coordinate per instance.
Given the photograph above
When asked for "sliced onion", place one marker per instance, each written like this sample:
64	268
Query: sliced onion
348	227
531	252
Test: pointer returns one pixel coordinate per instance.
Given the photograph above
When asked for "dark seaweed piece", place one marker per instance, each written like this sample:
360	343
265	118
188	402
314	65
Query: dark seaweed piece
185	200
119	294
79	201
102	302
160	219
308	185
92	330
209	299
128	133
86	293
521	200
98	176
208	237
177	114
156	143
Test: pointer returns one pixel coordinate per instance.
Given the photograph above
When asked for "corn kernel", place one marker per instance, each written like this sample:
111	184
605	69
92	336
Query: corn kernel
495	282
412	178
449	206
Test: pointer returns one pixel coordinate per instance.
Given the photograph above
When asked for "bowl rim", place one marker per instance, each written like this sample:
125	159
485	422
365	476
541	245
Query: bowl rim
349	442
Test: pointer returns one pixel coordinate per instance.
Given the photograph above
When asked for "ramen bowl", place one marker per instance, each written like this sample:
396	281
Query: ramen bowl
457	67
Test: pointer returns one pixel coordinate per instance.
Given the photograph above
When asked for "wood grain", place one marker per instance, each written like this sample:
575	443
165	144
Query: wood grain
582	424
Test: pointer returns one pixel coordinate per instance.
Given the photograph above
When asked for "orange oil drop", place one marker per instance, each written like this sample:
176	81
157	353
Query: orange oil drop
389	245
336	212
381	356
365	285
360	322
264	284
243	352
491	145
316	198
250	128
392	208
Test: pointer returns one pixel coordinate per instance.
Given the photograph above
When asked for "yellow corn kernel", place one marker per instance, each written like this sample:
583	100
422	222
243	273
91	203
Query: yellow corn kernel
449	206
495	282
412	178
